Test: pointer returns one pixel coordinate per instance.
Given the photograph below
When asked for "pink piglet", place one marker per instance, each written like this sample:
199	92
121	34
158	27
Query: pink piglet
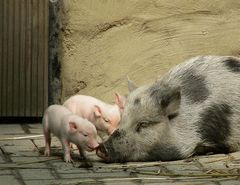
69	128
104	116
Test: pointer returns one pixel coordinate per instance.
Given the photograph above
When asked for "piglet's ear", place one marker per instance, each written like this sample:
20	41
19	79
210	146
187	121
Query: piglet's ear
97	111
120	101
73	125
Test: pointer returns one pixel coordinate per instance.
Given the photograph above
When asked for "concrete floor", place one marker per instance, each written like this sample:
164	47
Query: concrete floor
22	162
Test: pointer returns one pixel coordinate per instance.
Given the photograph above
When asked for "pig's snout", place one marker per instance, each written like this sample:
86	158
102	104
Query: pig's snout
102	152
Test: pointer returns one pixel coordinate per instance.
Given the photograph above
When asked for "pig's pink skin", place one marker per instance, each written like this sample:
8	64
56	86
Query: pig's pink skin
86	107
69	128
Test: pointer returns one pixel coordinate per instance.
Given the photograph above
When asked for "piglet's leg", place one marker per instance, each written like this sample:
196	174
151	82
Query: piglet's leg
47	146
71	146
82	153
85	163
47	136
66	149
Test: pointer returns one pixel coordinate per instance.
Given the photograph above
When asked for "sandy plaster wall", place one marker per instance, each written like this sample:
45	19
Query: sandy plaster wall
103	41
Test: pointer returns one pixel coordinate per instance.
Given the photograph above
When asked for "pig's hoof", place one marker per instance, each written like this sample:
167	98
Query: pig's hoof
82	158
68	159
85	165
71	146
47	153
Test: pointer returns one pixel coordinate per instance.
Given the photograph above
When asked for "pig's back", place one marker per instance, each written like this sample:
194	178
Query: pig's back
82	105
55	115
207	79
210	98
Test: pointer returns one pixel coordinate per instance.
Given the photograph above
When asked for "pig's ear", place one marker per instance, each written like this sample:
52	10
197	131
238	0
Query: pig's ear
97	111
131	85
120	101
73	126
170	102
169	99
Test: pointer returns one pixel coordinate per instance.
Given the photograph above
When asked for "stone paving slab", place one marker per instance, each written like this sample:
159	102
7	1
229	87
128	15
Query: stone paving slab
4	172
230	182
1	158
8	179
38	174
35	128
22	162
11	129
17	146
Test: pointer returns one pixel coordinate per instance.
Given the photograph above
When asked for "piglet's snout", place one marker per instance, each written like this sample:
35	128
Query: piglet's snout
111	130
102	152
94	145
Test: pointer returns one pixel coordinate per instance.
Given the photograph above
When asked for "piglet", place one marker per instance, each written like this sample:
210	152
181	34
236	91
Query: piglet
69	128
105	117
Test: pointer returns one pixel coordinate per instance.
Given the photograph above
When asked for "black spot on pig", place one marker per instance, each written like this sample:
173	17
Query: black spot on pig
163	152
232	64
194	87
214	125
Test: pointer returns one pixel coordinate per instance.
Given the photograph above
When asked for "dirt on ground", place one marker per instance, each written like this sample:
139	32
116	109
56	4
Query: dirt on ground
105	41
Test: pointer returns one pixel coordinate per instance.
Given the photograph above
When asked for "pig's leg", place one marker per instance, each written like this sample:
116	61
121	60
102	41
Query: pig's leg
85	164
47	136
47	143
82	153
66	149
71	146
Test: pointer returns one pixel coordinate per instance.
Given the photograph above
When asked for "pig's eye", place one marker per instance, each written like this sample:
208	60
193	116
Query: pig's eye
106	120
85	135
142	124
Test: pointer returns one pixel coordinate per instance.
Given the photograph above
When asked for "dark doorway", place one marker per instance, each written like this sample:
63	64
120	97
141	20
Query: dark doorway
23	58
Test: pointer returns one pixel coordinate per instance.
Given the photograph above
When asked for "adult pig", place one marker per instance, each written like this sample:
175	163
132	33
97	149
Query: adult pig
194	108
105	117
69	128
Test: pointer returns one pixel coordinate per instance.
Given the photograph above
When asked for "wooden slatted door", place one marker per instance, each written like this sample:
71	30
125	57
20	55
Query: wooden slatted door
23	58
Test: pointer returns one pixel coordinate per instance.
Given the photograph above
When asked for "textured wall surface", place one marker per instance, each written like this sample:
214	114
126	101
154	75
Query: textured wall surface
106	40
